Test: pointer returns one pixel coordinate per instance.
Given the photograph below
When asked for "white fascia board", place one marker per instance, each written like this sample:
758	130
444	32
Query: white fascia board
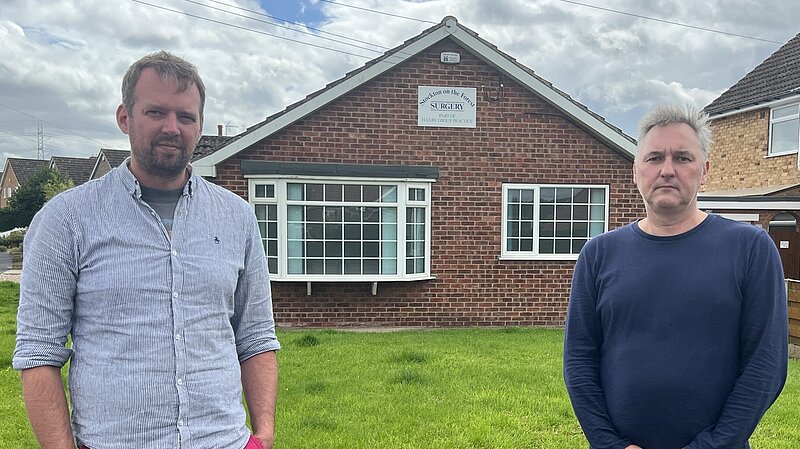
769	104
544	91
748	205
207	165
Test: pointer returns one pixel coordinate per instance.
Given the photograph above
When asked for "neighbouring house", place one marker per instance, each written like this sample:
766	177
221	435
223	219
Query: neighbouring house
107	159
77	169
441	184
15	173
754	173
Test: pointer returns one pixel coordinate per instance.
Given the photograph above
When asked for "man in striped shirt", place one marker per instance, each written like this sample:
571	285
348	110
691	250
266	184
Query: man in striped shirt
160	279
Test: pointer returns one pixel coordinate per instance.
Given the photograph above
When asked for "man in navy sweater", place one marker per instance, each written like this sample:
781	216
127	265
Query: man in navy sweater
676	333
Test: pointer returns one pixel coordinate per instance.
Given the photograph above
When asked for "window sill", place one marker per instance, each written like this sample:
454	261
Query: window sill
550	257
787	153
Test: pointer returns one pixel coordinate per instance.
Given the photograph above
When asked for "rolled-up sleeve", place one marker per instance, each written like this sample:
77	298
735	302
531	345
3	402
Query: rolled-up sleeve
47	289
253	321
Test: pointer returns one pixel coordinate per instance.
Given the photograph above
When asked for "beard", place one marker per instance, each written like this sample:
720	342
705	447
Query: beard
169	165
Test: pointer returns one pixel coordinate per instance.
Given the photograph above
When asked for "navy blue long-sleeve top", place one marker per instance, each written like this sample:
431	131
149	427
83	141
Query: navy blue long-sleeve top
676	342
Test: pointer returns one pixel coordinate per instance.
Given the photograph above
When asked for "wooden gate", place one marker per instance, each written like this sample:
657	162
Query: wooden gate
788	242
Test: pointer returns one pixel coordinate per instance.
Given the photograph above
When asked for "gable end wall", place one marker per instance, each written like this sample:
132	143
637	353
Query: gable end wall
519	140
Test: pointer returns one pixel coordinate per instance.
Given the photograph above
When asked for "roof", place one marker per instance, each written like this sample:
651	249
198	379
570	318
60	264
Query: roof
24	168
115	158
775	78
79	170
449	28
250	168
210	144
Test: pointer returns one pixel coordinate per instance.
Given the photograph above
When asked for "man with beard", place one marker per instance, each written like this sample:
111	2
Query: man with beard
160	280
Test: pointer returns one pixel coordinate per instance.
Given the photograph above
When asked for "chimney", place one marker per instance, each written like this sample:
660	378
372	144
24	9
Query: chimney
219	130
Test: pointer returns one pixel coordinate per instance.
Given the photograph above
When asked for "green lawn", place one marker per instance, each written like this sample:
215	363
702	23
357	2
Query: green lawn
450	388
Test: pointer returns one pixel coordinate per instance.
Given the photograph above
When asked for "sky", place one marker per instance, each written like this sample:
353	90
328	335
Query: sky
62	61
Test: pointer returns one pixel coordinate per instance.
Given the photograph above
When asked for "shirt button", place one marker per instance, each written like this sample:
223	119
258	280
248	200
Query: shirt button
180	422
177	337
174	253
180	381
174	294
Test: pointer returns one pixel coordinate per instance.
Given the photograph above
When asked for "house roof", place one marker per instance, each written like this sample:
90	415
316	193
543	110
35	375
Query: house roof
209	144
775	78
23	168
79	170
749	192
470	41
115	158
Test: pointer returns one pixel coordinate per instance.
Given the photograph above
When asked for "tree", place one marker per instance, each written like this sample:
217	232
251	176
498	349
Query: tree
55	186
31	196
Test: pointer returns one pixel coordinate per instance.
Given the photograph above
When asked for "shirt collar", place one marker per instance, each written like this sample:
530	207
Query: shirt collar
132	184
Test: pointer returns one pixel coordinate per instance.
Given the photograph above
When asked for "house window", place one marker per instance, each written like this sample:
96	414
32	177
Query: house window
325	230
551	221
784	135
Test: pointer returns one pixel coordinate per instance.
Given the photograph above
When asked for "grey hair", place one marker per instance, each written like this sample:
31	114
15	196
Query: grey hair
168	66
672	114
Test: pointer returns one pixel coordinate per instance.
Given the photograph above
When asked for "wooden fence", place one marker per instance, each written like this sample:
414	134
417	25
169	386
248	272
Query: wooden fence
793	288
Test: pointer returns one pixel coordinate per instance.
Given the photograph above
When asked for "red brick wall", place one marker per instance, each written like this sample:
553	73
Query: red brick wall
519	140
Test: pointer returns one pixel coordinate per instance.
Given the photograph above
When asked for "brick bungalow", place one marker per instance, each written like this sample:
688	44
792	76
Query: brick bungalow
754	173
441	184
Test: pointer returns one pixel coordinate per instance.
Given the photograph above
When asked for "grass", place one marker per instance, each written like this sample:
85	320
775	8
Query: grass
448	389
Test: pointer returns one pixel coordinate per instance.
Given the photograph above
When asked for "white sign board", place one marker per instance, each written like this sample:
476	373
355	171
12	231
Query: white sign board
784	244
449	107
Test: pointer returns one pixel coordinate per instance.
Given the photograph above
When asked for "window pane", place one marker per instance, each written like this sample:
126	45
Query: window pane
371	232
352	192
389	231
563	246
526	212
272	212
580	229
352	232
580	195
314	231
513	195
333	214
512	245
295	266
372	193
580	212
577	245
352	266
388	266
272	263
371	249
598	196
785	136
261	191
597	213
526	245
419	265
262	229
352	213
314	192
563	230
389	249
785	111
546	246
314	213
389	214
333	249
415	194
272	248
513	229
563	195
294	192
333	192
372	214
261	211
547	195
527	196
547	212
352	249
513	211
295	213
389	194
314	249
315	266
595	229
372	266
295	230
547	229
526	229
333	231
563	212
333	266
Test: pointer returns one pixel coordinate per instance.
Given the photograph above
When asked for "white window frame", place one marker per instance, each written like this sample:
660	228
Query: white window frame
773	121
280	182
534	254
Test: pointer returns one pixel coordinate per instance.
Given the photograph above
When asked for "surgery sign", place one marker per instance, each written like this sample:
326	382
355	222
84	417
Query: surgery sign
449	107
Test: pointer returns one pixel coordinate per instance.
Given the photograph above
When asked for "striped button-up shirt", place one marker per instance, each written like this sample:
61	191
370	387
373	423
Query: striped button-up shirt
159	325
